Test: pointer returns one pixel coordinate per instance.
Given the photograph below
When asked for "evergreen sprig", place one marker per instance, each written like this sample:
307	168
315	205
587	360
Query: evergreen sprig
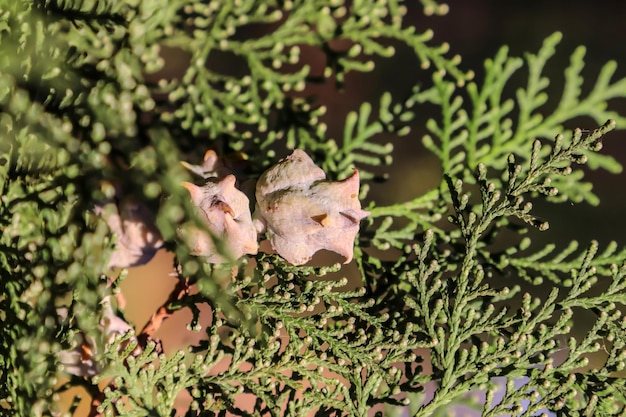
525	340
91	114
485	135
496	125
210	100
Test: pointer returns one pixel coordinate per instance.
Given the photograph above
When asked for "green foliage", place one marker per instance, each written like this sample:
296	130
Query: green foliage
90	112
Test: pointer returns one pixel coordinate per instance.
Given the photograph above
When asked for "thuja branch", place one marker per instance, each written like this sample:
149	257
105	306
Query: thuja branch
89	122
536	179
473	222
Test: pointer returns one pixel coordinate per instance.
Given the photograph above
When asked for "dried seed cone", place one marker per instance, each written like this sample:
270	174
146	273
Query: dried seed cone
304	213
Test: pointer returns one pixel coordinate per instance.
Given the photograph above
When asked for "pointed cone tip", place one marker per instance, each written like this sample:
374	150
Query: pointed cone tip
209	154
228	181
194	191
